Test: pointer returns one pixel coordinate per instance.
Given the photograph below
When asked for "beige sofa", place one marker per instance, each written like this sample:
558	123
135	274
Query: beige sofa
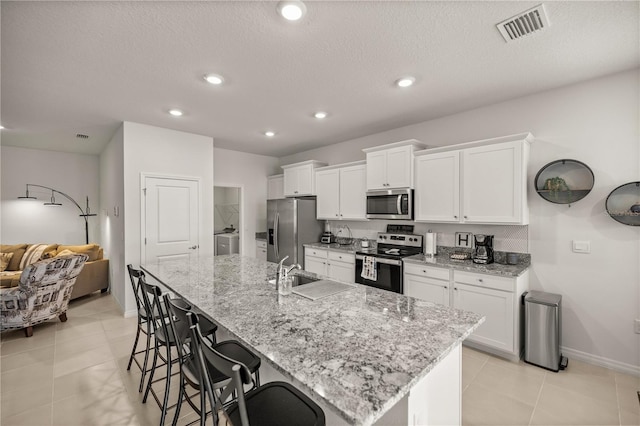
93	277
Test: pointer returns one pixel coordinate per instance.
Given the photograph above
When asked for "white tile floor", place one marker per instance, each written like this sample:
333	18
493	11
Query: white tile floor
74	373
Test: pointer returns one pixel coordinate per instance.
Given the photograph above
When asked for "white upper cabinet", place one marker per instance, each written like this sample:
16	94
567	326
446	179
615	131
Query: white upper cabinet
341	192
391	166
299	178
275	187
479	182
437	194
494	184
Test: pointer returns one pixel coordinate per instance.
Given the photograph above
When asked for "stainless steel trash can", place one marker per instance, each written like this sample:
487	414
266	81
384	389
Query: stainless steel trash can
543	330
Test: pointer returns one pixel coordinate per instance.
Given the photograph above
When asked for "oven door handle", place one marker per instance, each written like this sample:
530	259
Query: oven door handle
381	260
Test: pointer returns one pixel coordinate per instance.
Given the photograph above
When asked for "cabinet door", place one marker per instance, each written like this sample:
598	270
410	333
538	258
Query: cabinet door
429	289
275	188
261	253
497	306
377	170
353	192
399	167
305	180
328	194
290	182
437	192
317	265
492	187
341	271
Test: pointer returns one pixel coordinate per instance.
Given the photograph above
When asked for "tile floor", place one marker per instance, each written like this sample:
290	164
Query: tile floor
74	373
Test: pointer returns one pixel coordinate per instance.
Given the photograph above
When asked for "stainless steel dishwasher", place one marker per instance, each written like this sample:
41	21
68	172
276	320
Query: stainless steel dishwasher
543	330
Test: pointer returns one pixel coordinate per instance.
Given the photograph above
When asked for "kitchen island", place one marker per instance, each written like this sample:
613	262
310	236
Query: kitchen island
365	355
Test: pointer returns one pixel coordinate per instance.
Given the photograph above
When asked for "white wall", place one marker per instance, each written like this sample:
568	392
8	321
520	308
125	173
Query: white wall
595	122
249	171
112	214
153	150
29	221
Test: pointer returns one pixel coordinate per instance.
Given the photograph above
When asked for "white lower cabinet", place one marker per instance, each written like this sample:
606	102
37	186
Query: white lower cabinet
427	283
261	250
339	266
497	298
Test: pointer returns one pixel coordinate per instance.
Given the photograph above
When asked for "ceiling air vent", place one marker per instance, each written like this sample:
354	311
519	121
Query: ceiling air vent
525	23
81	136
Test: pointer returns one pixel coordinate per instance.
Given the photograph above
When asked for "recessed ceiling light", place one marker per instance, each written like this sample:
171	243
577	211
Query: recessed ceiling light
320	115
269	134
405	81
291	10
214	79
175	112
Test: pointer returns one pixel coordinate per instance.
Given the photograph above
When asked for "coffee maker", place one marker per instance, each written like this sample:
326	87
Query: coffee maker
483	251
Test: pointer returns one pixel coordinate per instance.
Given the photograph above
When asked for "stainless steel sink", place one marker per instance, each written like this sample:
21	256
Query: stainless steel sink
297	280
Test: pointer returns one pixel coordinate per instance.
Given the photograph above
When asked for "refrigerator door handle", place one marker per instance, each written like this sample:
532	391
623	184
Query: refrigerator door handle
275	235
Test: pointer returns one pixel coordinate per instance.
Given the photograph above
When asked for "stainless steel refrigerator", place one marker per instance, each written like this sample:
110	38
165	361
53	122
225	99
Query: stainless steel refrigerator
291	222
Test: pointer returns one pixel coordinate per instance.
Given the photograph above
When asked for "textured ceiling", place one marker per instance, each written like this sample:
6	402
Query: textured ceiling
84	67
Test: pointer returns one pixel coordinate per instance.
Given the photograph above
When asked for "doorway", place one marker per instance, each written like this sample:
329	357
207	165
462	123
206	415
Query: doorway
227	219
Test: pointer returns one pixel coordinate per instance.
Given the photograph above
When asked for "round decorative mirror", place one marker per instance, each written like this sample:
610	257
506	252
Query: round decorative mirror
623	204
564	181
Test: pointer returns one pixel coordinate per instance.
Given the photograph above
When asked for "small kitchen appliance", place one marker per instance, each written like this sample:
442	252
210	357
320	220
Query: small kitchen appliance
398	242
483	252
327	237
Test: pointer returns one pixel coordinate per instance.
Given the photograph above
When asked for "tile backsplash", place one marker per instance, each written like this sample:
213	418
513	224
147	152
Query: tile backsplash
507	238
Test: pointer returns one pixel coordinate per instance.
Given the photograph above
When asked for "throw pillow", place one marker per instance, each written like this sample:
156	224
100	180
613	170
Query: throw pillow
90	250
18	251
5	258
33	254
64	253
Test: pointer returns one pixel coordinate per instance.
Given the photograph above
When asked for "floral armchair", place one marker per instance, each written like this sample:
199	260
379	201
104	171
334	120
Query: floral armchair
42	294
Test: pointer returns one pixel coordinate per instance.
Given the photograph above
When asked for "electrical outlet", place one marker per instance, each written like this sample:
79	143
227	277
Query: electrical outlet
636	327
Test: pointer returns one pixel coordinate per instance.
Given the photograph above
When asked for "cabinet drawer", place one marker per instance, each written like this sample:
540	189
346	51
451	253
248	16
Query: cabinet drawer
261	244
316	252
342	257
426	271
486	281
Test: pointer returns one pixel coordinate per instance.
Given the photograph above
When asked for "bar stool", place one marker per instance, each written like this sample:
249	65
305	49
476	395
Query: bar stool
187	348
144	326
272	404
163	338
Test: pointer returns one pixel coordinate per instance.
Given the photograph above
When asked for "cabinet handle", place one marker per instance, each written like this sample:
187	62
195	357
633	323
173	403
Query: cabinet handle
295	192
455	217
336	214
465	217
340	214
445	287
455	288
480	279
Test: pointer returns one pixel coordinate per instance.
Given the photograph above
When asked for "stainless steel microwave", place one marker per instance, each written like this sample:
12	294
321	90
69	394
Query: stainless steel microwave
390	204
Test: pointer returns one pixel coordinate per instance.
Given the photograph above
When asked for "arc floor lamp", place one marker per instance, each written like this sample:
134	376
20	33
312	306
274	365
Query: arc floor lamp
83	213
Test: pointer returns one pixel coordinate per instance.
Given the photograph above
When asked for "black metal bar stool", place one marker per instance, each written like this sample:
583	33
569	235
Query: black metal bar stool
272	404
187	348
144	326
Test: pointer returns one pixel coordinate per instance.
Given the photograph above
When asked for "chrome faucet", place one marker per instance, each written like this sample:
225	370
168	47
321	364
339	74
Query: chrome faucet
290	268
280	271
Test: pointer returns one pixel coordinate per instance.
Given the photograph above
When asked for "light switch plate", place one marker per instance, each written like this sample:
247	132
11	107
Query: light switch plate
582	247
464	239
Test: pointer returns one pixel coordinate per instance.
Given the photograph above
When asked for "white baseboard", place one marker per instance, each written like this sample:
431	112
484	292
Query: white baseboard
622	367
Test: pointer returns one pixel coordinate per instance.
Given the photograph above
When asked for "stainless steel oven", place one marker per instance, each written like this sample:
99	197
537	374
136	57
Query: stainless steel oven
391	248
390	204
389	272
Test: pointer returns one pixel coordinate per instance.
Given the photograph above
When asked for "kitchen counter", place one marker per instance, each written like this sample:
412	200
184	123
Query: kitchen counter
442	260
351	248
360	353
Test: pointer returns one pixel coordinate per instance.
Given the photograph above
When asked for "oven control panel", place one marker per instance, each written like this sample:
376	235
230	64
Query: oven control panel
406	240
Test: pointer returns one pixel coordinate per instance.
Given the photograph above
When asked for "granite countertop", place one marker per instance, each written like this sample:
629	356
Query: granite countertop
499	267
359	351
351	248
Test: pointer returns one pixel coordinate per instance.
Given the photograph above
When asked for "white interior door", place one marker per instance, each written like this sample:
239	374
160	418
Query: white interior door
171	218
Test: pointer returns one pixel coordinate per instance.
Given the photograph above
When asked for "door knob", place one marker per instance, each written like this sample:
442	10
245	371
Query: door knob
193	247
